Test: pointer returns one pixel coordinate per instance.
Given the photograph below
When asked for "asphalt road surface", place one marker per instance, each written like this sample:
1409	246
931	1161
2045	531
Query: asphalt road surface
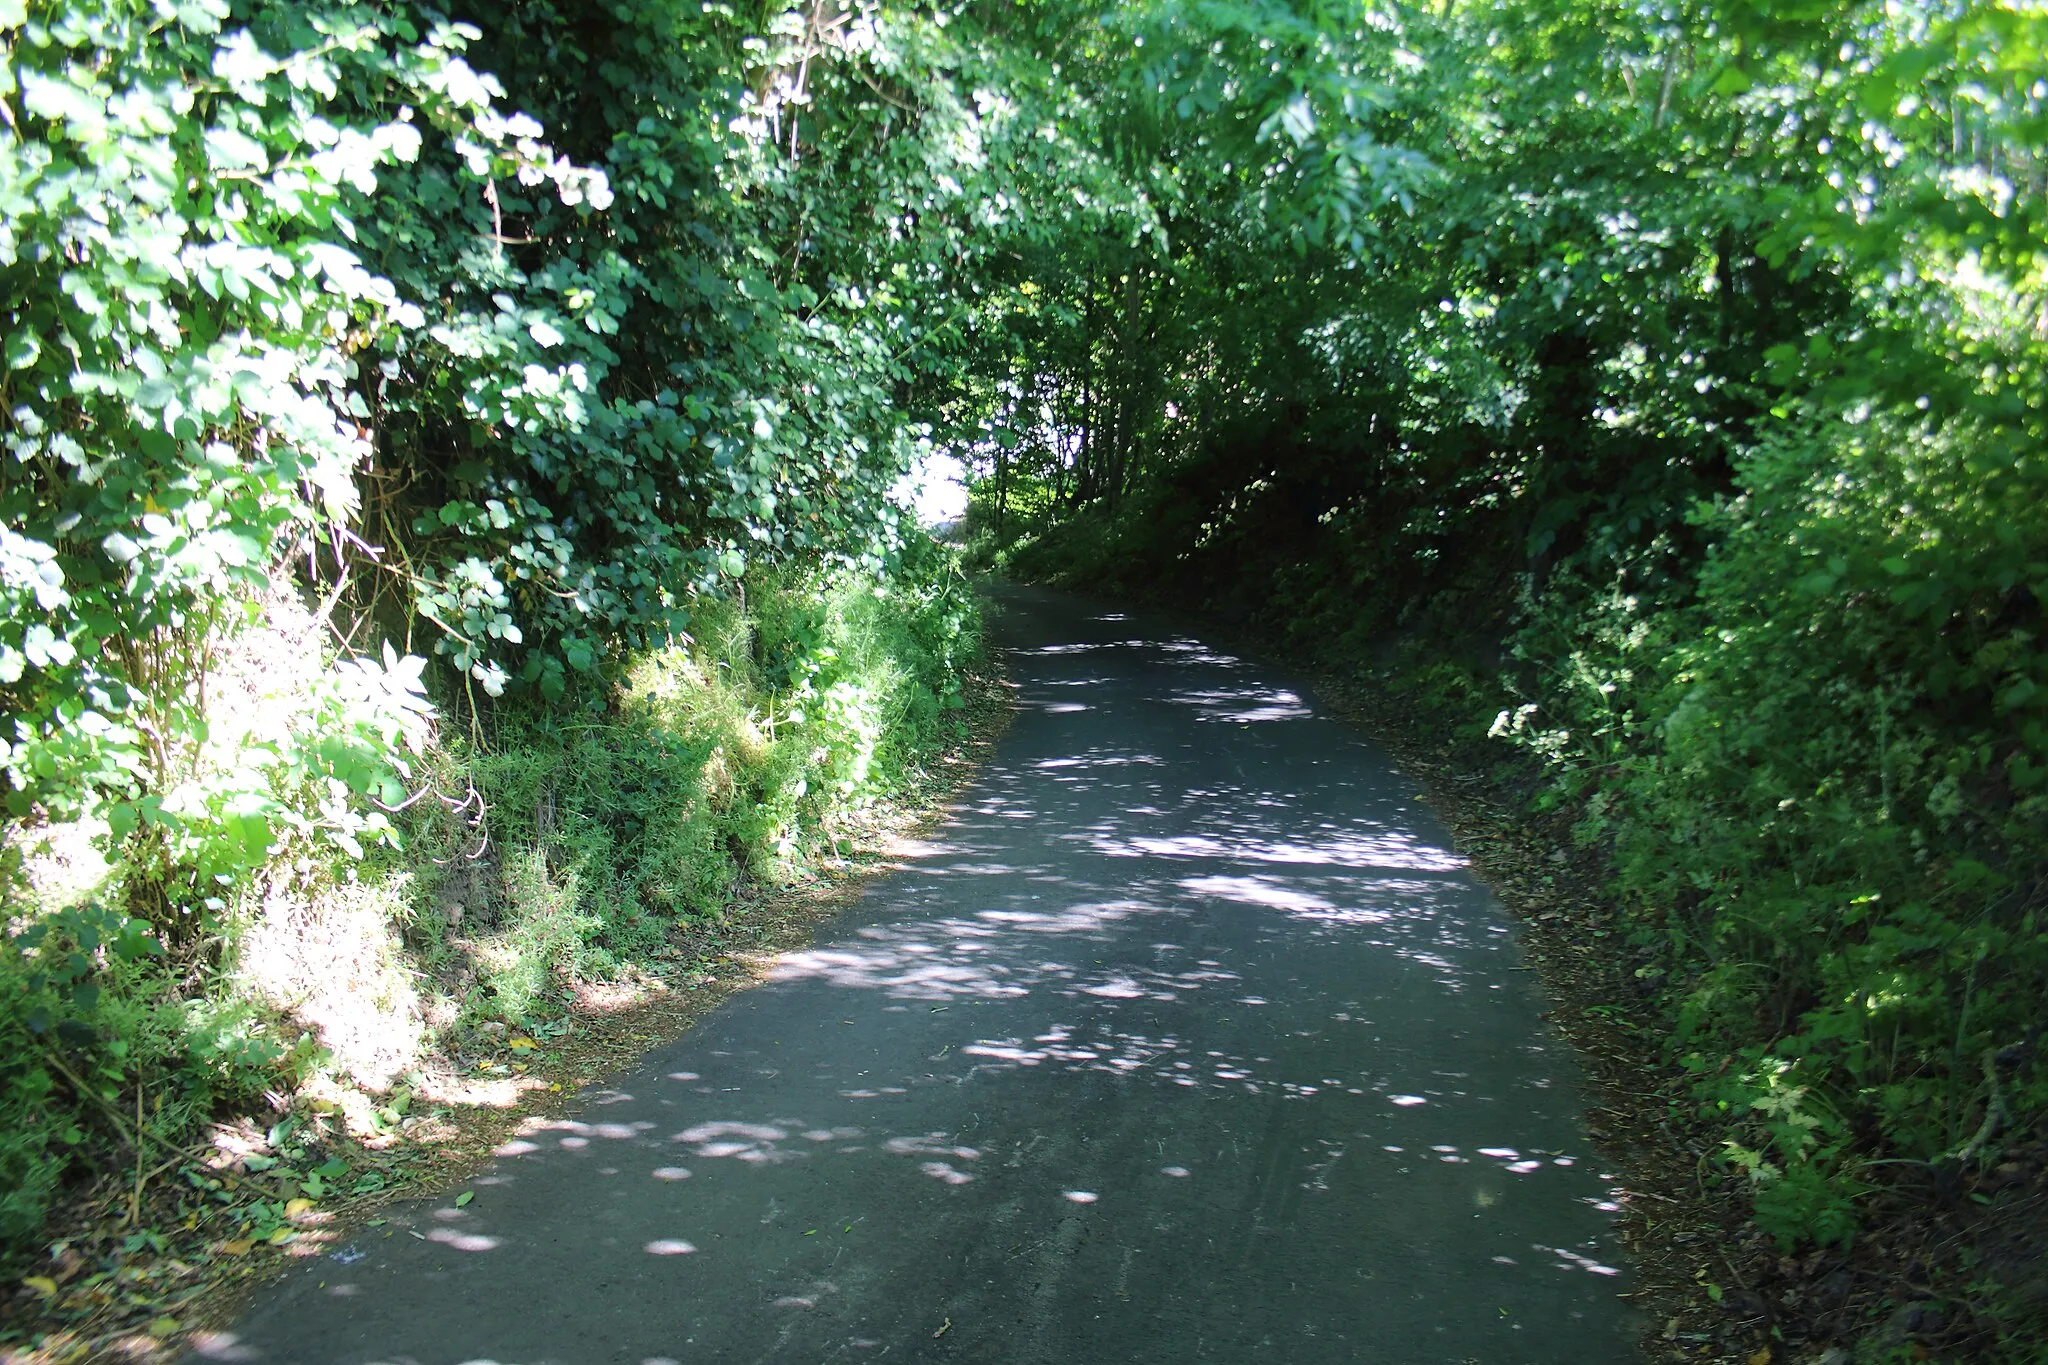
1188	1037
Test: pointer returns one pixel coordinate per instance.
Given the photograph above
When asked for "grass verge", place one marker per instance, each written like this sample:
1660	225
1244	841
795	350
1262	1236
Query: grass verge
166	1223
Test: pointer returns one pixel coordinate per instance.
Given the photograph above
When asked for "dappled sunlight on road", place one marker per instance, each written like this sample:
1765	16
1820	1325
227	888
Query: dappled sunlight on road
1098	760
1246	706
1392	852
464	1241
1188	1014
1277	895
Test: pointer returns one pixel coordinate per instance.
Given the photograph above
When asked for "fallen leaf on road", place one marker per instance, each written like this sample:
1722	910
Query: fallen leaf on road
42	1284
239	1247
944	1328
462	1200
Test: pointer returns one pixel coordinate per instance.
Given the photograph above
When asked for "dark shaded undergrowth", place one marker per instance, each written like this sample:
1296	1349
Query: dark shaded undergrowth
1797	1188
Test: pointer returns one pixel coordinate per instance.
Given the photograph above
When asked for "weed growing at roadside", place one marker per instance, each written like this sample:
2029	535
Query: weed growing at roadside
546	849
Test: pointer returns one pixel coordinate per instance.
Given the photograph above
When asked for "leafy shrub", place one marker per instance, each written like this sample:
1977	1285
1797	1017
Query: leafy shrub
727	757
593	834
183	405
1824	780
297	293
89	1018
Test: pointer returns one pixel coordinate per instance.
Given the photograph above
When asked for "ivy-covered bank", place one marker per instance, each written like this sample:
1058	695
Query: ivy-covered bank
546	856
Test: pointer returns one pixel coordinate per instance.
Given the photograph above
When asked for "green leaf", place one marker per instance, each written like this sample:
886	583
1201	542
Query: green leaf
231	150
60	100
1733	80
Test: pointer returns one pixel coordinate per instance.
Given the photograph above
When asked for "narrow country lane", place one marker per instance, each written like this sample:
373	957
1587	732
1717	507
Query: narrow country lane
1187	1038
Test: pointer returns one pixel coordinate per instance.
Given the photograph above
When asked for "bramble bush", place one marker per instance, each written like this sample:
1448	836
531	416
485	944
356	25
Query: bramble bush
1826	789
183	314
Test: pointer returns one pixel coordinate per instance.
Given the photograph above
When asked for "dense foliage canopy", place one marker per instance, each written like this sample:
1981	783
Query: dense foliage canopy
1668	376
401	406
298	287
1662	387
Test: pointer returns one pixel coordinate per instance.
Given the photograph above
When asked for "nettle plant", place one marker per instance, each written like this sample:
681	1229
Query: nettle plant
182	418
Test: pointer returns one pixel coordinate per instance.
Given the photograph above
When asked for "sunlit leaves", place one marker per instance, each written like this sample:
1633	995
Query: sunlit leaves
183	398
